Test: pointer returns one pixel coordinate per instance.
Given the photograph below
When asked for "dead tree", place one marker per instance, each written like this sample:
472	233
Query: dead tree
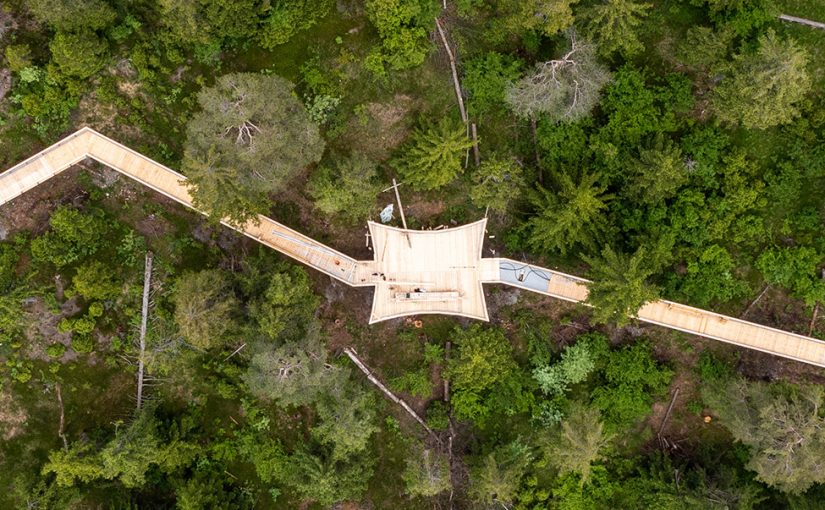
564	89
456	83
802	21
390	395
60	427
147	283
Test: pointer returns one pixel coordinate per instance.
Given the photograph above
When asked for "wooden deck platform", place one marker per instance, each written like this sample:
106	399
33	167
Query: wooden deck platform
413	272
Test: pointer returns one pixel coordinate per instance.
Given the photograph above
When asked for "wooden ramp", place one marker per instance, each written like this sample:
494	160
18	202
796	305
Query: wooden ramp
89	143
414	272
663	313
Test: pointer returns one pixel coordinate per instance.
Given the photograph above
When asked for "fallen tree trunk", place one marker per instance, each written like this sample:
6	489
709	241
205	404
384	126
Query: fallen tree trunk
748	309
802	21
454	71
390	395
147	282
60	427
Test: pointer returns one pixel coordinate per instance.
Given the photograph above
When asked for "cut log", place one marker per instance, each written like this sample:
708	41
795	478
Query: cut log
476	153
667	414
748	309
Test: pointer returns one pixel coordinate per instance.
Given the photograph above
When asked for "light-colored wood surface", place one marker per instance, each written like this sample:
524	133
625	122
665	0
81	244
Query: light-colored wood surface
446	263
688	319
439	267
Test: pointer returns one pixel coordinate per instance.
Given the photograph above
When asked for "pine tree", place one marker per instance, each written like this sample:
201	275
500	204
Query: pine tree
574	216
620	284
781	424
250	139
612	24
764	89
580	442
435	155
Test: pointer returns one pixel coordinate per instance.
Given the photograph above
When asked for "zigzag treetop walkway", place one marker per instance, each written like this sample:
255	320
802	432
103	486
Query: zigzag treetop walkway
413	272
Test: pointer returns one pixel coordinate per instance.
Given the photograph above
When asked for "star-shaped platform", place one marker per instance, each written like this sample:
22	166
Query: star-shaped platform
426	271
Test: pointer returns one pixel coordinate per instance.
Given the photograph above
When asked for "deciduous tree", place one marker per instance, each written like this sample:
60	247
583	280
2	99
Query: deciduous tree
288	305
794	268
401	27
73	235
348	191
78	54
484	360
96	281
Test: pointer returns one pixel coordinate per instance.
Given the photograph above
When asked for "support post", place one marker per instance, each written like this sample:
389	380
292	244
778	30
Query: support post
476	152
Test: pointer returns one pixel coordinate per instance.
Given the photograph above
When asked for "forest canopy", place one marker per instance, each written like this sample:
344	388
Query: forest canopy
152	358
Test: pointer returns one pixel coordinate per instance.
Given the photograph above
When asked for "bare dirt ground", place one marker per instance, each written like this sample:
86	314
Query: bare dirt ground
12	417
43	332
31	211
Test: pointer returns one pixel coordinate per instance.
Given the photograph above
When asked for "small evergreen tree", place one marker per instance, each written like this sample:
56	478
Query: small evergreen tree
659	171
620	284
574	216
205	306
497	182
613	23
580	442
434	156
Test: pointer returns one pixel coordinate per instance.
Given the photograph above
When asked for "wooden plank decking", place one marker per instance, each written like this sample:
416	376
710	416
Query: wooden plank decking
455	281
678	316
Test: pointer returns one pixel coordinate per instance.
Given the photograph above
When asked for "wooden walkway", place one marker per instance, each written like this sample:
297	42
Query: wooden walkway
416	293
663	313
89	143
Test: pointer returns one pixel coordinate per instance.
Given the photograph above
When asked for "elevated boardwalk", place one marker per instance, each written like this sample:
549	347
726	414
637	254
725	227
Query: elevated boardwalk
663	313
413	272
87	143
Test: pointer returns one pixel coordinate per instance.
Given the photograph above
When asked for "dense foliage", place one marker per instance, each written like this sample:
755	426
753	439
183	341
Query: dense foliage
661	149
